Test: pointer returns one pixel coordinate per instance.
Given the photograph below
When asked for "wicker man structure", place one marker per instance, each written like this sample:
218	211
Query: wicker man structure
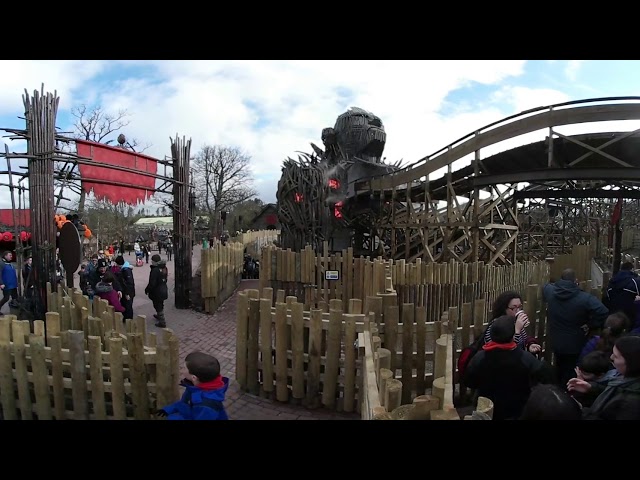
317	197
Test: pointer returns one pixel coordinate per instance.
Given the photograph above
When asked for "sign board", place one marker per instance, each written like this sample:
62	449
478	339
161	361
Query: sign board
332	275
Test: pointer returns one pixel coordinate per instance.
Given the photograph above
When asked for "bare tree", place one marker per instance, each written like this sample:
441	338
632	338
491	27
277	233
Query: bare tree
96	125
222	179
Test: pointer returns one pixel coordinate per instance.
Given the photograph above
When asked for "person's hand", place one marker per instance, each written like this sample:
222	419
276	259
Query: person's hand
522	321
535	348
128	297
585	329
579	373
119	294
578	385
1	287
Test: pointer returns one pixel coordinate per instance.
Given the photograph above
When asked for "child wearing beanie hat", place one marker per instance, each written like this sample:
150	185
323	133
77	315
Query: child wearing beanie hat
157	288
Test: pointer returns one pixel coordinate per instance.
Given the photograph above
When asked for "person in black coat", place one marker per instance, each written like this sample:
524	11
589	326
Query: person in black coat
124	275
157	288
504	373
571	314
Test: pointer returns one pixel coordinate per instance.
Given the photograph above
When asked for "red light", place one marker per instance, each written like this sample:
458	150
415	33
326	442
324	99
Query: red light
334	184
299	197
337	210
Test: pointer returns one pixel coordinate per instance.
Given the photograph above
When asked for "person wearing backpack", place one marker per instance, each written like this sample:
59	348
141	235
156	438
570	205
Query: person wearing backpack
157	288
503	372
510	304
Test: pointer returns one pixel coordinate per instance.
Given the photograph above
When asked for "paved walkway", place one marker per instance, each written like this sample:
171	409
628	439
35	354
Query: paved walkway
216	334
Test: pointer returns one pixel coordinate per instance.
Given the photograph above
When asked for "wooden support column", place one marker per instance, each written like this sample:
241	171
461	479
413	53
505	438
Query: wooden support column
182	221
40	115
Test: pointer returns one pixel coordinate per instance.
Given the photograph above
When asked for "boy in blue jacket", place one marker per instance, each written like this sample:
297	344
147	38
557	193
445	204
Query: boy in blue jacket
9	282
204	391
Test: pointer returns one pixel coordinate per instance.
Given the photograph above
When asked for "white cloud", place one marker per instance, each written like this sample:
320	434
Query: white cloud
62	75
271	109
226	103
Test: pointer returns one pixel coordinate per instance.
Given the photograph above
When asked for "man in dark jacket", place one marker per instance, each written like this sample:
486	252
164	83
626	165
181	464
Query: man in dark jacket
622	292
124	275
157	288
571	314
503	372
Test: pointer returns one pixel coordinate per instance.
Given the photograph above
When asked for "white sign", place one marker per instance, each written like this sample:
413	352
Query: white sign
332	275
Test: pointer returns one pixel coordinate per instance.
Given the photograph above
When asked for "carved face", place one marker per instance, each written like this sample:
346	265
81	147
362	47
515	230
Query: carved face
360	133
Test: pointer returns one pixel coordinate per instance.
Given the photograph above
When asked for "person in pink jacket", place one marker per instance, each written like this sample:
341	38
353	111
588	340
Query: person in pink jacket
105	290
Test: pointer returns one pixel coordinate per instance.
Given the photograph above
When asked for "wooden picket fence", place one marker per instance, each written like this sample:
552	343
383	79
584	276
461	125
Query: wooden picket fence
382	393
292	352
82	362
303	275
255	241
221	271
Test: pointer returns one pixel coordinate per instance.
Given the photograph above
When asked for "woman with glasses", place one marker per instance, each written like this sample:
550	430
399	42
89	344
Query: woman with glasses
510	303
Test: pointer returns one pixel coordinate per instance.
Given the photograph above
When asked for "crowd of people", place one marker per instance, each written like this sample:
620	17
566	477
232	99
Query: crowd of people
113	281
596	354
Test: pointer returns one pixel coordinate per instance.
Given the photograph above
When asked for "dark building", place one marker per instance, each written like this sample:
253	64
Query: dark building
266	219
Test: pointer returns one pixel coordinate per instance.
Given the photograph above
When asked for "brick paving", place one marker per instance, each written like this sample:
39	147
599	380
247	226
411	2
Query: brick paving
215	334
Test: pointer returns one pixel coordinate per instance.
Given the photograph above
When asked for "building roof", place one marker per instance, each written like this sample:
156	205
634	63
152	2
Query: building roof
161	221
149	221
265	209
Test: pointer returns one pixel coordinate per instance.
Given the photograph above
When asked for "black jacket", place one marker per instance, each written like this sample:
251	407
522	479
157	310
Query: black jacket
619	400
505	374
124	275
157	288
621	293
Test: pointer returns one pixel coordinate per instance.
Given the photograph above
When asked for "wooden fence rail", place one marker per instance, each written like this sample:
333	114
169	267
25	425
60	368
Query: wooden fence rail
74	365
292	350
221	271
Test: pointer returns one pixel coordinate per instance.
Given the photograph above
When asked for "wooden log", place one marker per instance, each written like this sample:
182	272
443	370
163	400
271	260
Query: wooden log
403	412
392	394
424	405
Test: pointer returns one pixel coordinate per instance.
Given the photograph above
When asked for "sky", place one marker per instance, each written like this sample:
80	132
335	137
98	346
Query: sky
270	109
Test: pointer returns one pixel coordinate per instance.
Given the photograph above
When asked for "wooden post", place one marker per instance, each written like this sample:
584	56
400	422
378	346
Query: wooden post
40	115
182	220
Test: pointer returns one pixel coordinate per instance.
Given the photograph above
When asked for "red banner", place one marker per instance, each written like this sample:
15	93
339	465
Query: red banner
109	183
23	216
617	212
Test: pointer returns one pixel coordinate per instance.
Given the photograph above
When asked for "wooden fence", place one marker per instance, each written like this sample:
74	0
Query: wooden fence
311	357
303	275
221	271
254	242
306	354
82	362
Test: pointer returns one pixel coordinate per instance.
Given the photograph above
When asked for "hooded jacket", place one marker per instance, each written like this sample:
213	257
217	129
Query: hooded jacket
201	402
618	400
504	373
157	286
9	276
569	308
107	292
124	274
621	293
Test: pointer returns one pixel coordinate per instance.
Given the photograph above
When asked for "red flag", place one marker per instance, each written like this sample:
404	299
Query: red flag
138	188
